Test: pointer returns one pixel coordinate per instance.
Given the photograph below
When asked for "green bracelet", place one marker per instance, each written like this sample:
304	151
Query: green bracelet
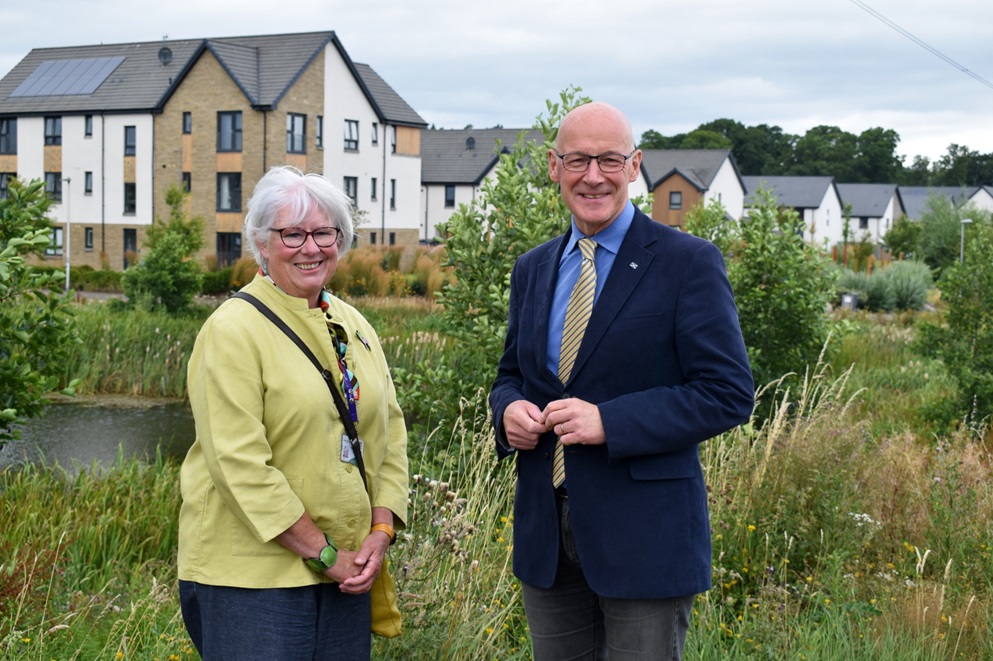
326	559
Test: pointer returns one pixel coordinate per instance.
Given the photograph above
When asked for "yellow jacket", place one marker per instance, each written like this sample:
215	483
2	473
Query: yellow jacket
268	442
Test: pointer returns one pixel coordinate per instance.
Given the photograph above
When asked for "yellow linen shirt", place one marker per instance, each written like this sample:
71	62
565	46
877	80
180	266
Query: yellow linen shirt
268	442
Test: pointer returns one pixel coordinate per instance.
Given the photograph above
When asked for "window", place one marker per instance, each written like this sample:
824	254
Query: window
8	136
393	139
88	238
228	248
320	132
5	178
393	238
53	130
393	194
54	248
129	199
229	131
351	134
88	126
352	188
229	191
187	123
296	133
372	238
187	182
449	195
53	186
375	133
130	138
130	245
863	223
373	186
88	183
675	200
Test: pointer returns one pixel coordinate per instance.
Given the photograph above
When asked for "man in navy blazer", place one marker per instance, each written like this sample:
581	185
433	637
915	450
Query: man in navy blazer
612	560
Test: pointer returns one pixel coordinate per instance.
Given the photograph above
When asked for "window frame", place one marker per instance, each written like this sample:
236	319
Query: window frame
88	126
88	239
88	183
229	131
296	140
8	135
449	199
5	178
676	200
130	140
187	122
56	242
373	184
234	192
130	207
351	135
350	186
319	137
53	130
375	133
53	186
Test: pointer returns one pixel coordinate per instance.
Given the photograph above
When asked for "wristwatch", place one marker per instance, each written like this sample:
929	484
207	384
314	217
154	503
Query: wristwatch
326	559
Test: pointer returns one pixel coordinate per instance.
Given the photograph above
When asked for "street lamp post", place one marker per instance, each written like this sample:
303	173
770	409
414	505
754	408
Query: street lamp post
965	221
68	242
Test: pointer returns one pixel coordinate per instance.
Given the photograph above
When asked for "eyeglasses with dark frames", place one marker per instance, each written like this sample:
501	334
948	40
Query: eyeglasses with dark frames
579	162
294	237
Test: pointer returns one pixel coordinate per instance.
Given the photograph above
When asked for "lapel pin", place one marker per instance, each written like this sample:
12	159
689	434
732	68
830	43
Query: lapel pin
633	265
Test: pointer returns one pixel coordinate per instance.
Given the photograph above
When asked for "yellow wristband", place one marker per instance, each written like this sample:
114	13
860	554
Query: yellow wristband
387	528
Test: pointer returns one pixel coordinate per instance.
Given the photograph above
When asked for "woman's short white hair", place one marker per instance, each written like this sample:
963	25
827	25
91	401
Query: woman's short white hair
286	187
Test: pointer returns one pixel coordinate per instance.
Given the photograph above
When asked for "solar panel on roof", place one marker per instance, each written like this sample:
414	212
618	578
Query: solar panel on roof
68	77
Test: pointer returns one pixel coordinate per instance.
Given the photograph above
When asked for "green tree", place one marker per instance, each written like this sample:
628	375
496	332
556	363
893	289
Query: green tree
704	139
168	277
652	139
877	161
780	284
904	238
964	342
518	209
36	325
940	232
826	151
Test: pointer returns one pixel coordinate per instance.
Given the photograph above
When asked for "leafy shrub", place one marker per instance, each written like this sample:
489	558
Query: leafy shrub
910	281
217	282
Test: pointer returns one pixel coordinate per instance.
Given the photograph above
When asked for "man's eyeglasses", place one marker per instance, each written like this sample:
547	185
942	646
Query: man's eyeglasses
610	162
294	237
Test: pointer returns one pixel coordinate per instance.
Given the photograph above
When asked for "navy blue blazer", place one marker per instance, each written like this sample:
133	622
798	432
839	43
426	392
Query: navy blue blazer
664	360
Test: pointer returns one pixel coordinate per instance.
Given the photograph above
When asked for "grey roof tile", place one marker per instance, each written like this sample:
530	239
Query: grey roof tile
867	200
795	192
698	166
390	105
447	158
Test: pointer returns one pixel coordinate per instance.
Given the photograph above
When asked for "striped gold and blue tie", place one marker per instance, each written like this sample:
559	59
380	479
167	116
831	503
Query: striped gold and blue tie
577	314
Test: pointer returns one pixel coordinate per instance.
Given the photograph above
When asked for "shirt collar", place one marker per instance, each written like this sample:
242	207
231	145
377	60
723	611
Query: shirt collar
611	237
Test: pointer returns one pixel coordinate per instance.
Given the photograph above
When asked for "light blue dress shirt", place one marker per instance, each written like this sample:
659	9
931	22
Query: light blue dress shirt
608	243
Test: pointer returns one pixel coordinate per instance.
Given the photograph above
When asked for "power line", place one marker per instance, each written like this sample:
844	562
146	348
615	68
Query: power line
922	44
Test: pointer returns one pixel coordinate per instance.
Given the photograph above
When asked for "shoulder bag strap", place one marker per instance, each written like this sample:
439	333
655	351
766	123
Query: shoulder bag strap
339	401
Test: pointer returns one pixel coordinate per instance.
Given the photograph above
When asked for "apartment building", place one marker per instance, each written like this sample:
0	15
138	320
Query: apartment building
111	128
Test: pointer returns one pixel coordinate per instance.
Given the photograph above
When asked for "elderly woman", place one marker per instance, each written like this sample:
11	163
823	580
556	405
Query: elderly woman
279	538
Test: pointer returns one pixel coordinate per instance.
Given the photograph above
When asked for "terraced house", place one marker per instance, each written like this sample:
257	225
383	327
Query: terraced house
111	128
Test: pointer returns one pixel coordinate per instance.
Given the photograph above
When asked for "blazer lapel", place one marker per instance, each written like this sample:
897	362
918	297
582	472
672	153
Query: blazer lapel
546	275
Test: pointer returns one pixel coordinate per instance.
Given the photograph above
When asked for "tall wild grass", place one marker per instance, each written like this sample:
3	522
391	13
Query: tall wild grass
840	532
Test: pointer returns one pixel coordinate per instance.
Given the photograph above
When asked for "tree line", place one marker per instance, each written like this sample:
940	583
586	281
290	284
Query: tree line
869	157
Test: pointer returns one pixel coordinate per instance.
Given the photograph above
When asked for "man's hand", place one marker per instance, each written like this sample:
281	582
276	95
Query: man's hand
523	424
574	421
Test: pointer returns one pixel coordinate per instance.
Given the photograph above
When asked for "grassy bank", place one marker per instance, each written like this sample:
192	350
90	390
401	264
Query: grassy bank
844	528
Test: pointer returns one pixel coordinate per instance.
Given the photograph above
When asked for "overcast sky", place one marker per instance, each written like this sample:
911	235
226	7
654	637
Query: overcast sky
670	65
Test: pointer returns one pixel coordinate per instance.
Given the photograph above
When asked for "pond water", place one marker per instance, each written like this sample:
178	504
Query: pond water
78	432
